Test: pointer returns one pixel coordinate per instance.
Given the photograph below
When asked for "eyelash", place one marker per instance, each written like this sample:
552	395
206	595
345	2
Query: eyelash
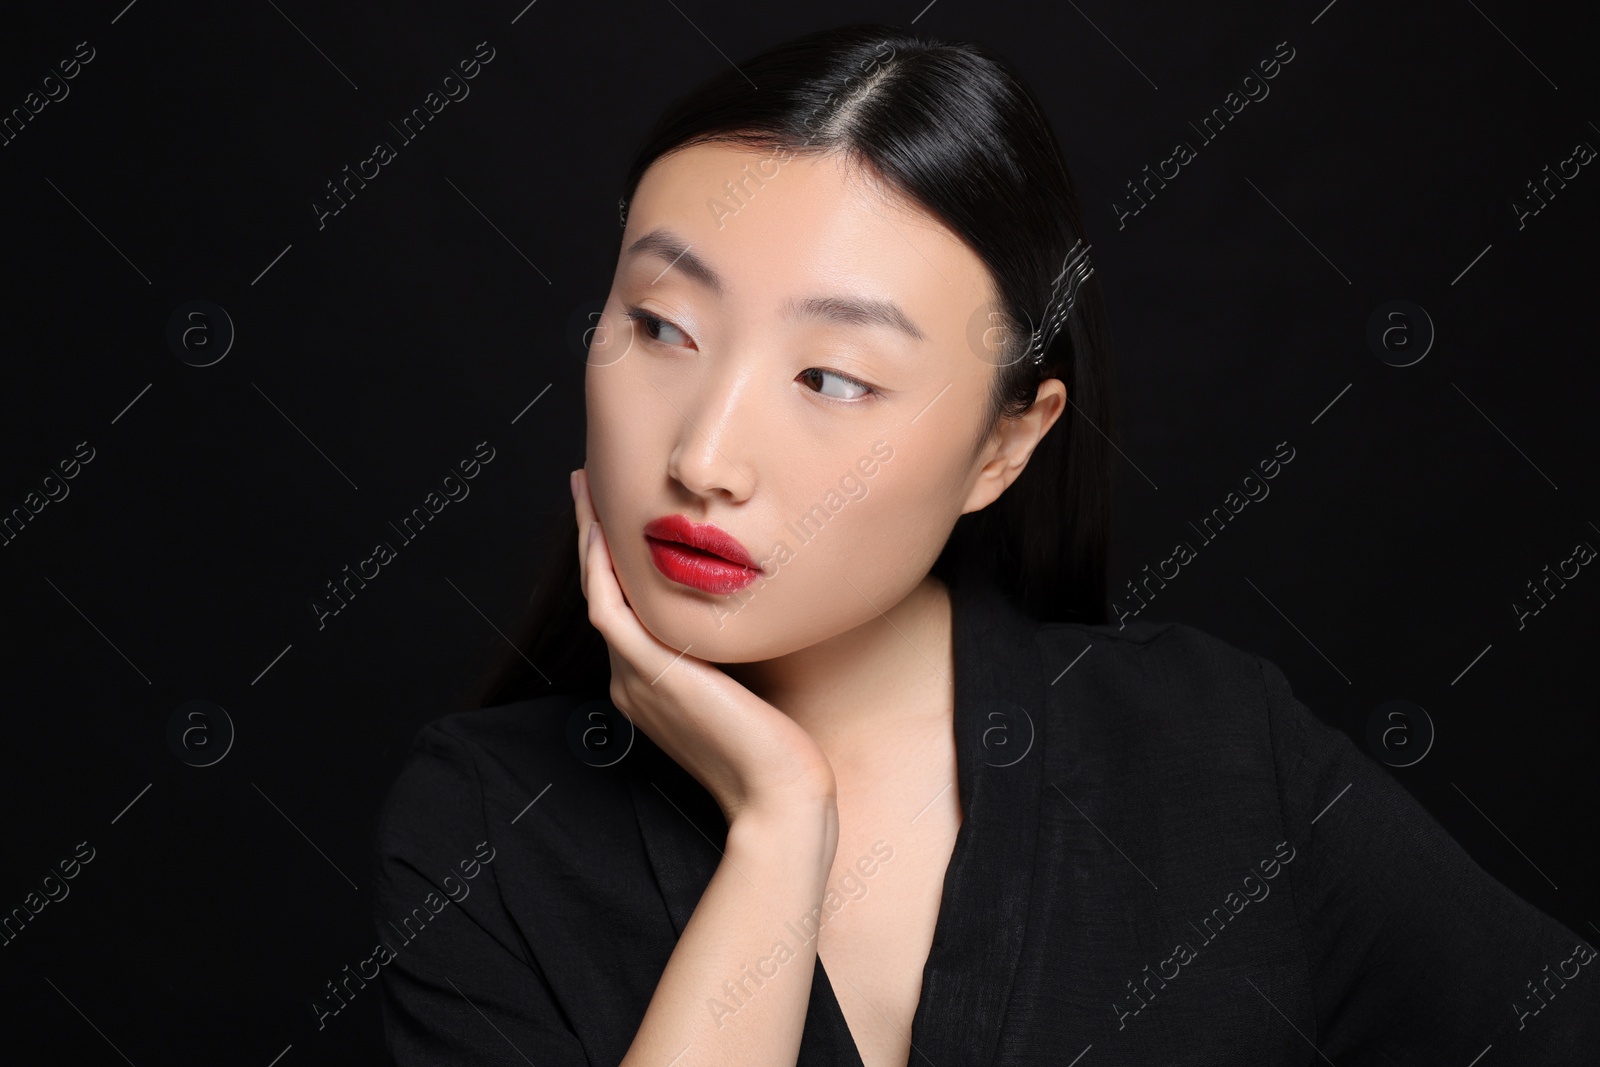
653	323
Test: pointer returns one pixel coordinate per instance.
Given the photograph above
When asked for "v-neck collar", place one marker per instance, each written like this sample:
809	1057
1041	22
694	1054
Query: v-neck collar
983	912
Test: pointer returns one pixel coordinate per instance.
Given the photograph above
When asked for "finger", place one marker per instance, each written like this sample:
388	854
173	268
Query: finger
617	622
581	515
600	586
586	517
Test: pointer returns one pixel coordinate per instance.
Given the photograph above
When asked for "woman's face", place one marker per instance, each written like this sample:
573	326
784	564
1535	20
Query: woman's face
797	372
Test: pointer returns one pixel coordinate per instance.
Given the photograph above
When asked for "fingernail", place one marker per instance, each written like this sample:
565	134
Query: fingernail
572	483
594	528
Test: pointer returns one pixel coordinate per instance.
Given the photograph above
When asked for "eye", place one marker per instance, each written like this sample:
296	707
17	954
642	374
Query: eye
857	390
653	325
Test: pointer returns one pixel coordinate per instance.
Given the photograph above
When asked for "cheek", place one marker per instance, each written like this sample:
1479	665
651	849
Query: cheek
622	409
893	521
618	441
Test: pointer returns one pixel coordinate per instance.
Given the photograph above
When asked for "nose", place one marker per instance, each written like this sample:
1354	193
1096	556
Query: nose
713	451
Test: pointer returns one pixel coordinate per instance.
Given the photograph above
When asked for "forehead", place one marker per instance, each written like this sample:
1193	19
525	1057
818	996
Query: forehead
775	224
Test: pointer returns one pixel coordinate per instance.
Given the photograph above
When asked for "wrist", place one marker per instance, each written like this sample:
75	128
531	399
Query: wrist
807	822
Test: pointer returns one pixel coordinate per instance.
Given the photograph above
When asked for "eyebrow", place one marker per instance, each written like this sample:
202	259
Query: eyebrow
664	244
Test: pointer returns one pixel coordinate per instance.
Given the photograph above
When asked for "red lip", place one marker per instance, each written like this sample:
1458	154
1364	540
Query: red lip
700	555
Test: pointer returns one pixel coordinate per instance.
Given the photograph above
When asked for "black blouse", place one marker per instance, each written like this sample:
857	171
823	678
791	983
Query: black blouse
1165	859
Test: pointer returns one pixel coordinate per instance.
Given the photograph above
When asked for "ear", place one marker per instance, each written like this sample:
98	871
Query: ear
1014	440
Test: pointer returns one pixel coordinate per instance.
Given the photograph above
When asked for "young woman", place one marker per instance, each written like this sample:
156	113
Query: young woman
819	747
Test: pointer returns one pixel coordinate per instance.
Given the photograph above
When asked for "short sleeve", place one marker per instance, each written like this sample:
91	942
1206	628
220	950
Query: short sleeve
1415	954
460	986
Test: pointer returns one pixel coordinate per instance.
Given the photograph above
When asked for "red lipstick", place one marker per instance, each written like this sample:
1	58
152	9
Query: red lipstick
700	555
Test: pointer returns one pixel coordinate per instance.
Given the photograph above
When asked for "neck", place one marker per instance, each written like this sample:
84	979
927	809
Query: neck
858	691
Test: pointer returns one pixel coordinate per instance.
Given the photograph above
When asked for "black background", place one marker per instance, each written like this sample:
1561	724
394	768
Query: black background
374	353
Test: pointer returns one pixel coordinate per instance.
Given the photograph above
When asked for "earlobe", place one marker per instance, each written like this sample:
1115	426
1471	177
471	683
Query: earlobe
992	481
1015	454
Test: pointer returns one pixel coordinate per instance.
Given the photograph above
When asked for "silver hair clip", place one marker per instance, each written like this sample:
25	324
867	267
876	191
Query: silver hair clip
1064	294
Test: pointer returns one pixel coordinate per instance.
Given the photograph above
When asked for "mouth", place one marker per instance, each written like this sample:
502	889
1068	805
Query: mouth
707	539
702	556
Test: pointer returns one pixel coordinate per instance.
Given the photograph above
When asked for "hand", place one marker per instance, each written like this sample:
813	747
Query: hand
749	756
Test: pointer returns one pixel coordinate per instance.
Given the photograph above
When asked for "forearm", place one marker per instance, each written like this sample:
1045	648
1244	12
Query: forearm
736	987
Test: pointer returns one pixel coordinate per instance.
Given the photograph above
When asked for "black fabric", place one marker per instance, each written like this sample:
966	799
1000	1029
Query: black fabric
1165	859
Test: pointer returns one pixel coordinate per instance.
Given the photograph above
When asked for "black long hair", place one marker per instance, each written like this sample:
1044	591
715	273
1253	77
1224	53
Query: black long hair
953	127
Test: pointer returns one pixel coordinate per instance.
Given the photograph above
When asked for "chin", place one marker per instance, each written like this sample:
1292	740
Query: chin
711	628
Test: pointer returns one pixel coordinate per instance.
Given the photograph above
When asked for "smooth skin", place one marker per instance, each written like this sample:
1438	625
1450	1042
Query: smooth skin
816	707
